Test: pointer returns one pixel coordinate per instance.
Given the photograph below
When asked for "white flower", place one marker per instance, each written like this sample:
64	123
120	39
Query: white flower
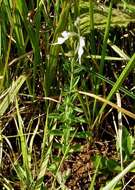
65	34
80	48
61	40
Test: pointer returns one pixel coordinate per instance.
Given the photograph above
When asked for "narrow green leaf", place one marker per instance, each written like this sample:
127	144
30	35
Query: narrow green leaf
115	180
130	65
13	90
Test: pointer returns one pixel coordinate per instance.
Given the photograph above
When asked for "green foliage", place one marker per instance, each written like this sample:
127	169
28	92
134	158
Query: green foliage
69	56
107	165
127	144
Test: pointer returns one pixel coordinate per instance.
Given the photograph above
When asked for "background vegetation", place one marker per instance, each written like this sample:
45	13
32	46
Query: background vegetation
67	103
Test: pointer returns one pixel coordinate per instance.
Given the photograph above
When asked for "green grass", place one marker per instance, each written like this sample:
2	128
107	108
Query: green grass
67	94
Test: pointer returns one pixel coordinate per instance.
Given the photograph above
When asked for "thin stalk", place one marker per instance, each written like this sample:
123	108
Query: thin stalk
62	160
92	35
54	50
5	72
45	138
103	53
57	10
94	176
0	41
127	92
92	40
115	180
24	149
120	130
126	112
76	8
130	65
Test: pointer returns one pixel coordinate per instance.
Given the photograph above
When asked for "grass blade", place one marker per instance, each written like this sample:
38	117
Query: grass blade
13	90
105	101
112	184
106	35
24	149
130	65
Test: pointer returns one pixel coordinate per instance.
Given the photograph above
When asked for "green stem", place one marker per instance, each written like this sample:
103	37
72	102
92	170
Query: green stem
103	53
92	35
